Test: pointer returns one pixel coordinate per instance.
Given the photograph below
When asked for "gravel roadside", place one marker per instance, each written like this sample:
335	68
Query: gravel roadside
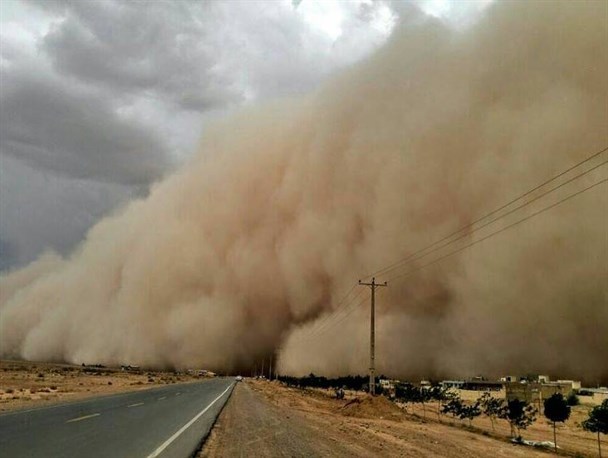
265	419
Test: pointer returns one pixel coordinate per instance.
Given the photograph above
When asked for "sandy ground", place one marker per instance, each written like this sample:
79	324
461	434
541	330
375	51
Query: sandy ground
26	384
266	419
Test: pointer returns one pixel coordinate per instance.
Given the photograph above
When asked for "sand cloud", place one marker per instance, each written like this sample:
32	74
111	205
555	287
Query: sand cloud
287	204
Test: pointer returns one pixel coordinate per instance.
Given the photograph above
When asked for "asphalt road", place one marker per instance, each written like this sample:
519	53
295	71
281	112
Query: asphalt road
166	422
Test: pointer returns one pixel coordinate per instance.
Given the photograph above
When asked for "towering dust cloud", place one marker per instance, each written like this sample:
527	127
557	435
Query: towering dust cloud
286	205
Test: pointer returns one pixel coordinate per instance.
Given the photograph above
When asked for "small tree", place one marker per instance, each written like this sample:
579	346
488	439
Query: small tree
424	396
453	406
438	393
520	415
492	407
413	394
573	399
598	422
469	412
407	393
556	410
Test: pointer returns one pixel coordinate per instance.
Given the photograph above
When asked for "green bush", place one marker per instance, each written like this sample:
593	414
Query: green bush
573	400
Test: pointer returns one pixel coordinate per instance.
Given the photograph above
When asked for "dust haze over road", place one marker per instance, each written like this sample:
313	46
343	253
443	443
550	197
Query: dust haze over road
286	205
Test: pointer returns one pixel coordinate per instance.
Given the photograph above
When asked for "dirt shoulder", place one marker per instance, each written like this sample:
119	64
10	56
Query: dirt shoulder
25	385
270	420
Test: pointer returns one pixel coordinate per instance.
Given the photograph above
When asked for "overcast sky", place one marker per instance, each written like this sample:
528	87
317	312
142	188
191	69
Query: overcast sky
98	99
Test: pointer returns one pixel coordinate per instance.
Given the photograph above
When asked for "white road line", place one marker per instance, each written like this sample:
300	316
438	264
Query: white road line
160	399
68	403
177	394
136	405
168	442
83	418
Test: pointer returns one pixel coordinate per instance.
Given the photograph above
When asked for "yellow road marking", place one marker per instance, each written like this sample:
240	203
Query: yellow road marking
83	418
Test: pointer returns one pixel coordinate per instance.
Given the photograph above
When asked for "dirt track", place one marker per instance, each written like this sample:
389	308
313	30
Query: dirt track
251	426
268	420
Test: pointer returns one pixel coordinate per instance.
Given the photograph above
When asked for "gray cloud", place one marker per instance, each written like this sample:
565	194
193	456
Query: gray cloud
8	255
201	55
43	211
101	94
56	128
157	46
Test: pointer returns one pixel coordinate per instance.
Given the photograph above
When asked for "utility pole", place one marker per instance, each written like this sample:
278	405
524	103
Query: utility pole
372	335
270	369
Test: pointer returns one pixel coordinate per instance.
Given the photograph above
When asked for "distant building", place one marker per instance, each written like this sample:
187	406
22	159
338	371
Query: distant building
386	383
576	384
598	395
457	384
129	367
388	386
536	392
482	385
476	384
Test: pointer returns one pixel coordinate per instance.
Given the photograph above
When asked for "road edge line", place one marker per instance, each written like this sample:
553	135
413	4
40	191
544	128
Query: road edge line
205	438
168	442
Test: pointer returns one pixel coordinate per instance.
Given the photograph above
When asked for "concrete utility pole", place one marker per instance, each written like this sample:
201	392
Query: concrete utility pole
372	335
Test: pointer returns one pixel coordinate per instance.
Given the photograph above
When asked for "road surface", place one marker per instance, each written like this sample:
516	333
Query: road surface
168	422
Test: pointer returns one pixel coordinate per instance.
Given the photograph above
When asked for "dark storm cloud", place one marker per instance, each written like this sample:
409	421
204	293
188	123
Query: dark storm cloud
201	55
54	127
114	87
8	254
161	47
43	211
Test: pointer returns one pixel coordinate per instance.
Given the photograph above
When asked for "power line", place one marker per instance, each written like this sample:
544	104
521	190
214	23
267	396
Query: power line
493	212
418	255
340	305
532	215
349	311
435	261
332	319
502	207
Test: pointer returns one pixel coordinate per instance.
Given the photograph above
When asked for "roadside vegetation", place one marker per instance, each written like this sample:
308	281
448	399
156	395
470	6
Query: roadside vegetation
350	382
557	410
598	423
518	415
